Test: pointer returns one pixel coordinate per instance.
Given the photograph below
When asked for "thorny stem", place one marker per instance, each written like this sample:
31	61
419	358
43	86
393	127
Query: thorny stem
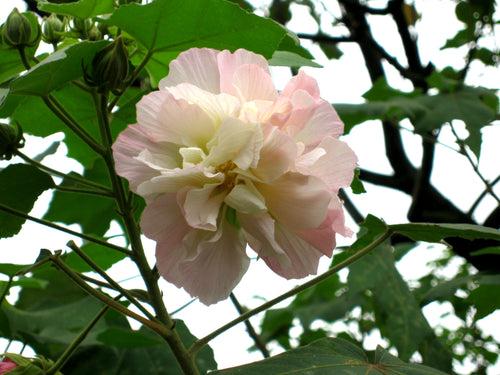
185	360
49	224
318	279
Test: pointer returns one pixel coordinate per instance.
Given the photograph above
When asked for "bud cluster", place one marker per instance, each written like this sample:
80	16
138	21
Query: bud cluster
19	32
53	29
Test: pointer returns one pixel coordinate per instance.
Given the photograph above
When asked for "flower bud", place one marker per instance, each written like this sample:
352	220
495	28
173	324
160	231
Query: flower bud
110	67
17	30
7	365
52	29
94	34
11	139
82	26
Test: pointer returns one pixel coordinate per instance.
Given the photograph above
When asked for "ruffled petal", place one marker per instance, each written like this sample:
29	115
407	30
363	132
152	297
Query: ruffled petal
277	156
129	144
230	62
197	66
246	199
218	266
251	82
235	141
304	258
202	205
296	200
302	81
173	180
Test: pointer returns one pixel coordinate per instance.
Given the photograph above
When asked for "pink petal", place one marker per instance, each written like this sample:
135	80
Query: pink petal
302	82
229	62
296	200
219	264
202	205
174	120
251	82
197	66
277	155
129	144
335	166
304	258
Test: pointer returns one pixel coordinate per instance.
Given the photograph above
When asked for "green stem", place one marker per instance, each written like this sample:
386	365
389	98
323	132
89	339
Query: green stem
259	343
161	329
98	241
76	342
69	189
185	360
53	104
106	277
318	279
24	58
132	78
74	178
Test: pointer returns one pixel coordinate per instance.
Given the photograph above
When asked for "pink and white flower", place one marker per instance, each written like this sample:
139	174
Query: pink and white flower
224	160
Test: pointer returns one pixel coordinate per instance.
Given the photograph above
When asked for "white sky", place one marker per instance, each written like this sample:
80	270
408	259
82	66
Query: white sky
344	80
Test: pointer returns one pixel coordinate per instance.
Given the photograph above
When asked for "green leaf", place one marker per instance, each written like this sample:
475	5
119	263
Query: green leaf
437	232
485	298
92	212
80	9
495	250
332	51
357	186
285	58
59	68
275	326
20	186
168	25
126	338
101	255
462	37
10	269
331	356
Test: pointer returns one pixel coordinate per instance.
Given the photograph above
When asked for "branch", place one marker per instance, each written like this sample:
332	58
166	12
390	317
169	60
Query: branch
49	224
259	343
351	208
482	195
318	279
322	38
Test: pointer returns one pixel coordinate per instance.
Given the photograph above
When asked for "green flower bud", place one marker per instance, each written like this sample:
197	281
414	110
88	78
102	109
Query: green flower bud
110	67
17	31
82	26
11	139
52	29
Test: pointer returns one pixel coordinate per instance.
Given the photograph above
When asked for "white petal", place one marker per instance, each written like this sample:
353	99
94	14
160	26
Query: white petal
202	205
245	199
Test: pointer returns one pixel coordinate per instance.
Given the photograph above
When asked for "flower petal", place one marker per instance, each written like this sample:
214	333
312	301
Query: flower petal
129	144
173	180
335	166
302	81
296	200
251	82
304	258
197	66
175	120
235	141
245	198
230	62
202	205
277	155
218	266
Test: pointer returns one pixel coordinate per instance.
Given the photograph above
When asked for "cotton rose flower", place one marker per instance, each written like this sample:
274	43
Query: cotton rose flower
224	160
7	365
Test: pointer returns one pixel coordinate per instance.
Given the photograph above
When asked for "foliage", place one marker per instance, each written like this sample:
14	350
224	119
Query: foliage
45	93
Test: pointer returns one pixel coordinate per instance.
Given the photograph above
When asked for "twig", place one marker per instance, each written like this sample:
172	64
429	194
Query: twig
481	196
49	224
351	208
259	343
70	189
322	38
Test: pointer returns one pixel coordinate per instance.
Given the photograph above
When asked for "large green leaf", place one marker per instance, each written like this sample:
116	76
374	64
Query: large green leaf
80	9
59	68
485	298
20	186
94	213
331	356
436	232
102	256
169	25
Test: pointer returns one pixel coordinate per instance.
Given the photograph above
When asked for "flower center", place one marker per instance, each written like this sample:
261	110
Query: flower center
229	177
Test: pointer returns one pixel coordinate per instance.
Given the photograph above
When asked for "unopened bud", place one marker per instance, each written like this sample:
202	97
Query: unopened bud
110	67
52	29
11	139
94	34
17	30
82	26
